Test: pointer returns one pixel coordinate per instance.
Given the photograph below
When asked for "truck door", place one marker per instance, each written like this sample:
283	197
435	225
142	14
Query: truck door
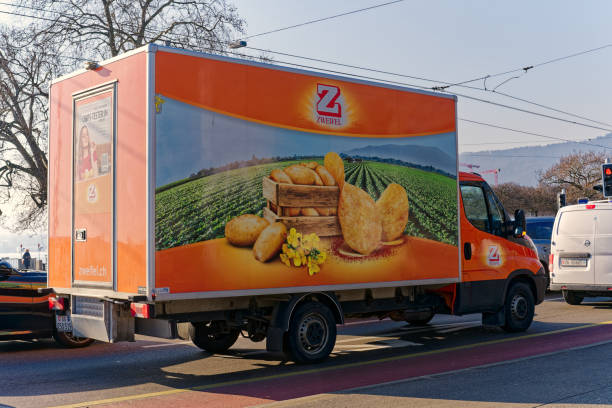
602	247
486	251
573	242
93	150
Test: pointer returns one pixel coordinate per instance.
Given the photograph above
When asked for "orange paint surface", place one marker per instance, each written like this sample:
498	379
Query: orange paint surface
130	167
286	99
216	265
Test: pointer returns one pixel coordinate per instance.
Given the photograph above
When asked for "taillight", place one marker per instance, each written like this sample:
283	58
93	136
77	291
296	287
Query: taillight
56	303
590	206
142	310
551	262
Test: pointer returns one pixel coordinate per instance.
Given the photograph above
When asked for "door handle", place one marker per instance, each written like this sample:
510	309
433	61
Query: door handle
467	251
80	235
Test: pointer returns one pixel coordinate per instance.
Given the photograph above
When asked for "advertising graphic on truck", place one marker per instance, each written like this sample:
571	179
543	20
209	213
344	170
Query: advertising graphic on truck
228	167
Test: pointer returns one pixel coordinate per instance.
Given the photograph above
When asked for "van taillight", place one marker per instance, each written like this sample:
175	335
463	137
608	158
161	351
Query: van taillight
551	260
590	206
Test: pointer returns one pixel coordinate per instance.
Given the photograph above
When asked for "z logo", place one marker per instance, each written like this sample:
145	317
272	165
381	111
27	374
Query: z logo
494	259
327	104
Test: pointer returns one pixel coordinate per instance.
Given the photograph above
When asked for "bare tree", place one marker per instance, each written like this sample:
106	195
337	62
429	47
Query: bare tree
105	28
577	173
62	34
536	201
24	78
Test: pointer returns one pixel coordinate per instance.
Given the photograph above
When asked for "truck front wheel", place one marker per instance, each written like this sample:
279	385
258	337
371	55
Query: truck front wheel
312	333
519	308
214	337
572	298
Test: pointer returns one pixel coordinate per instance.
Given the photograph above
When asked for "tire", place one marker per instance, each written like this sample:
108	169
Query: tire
519	308
68	340
572	298
421	321
213	336
312	333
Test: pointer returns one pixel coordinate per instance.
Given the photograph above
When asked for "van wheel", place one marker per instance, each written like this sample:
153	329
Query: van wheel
572	298
519	308
70	341
214	337
312	333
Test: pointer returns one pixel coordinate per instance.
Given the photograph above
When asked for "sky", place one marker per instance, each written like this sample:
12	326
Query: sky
455	41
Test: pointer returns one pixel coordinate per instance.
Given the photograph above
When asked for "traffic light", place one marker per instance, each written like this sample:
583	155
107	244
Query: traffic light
606	170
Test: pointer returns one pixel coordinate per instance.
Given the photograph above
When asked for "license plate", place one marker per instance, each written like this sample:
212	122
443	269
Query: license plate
574	262
63	323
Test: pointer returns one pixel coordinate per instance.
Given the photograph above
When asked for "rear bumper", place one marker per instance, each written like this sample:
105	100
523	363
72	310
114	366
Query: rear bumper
541	281
582	287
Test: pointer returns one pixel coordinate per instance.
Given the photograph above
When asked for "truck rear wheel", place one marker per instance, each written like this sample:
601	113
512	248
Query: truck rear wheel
70	341
214	337
312	333
519	308
421	320
572	298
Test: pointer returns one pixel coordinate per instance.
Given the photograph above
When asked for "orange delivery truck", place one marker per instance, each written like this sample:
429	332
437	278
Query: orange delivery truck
199	196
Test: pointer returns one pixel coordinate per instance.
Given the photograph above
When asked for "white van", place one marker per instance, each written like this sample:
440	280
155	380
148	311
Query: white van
581	251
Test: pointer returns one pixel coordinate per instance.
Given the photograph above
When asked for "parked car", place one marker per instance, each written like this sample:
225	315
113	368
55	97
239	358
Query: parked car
24	313
540	230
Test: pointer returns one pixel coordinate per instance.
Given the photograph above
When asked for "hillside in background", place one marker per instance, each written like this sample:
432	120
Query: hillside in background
421	155
522	164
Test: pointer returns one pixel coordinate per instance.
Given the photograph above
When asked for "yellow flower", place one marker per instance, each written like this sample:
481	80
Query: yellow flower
297	261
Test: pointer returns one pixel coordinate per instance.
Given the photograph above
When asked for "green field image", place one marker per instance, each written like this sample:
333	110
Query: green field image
198	209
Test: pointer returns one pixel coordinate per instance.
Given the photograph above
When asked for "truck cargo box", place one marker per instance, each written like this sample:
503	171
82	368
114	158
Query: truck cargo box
154	152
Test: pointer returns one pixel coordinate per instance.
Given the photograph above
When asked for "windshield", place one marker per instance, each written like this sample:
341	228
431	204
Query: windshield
540	229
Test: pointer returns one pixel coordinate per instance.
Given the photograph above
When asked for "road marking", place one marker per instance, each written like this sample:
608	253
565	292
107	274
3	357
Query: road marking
361	389
167	344
325	369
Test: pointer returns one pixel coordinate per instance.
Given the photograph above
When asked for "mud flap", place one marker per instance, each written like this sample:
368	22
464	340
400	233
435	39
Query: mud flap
494	319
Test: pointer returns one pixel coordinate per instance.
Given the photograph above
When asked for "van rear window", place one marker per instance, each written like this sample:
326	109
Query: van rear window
576	223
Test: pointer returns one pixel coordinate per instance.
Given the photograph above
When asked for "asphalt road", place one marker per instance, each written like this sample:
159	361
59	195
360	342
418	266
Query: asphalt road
563	360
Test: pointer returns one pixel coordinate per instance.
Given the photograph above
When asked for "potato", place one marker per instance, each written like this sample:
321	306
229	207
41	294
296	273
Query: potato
270	241
318	181
280	176
335	166
324	211
359	220
309	212
326	176
301	175
244	229
392	205
292	211
312	165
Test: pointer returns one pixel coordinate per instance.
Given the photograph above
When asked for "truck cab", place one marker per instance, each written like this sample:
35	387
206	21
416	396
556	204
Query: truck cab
499	262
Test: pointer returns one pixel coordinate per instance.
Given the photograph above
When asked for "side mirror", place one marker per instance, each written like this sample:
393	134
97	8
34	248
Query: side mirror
520	224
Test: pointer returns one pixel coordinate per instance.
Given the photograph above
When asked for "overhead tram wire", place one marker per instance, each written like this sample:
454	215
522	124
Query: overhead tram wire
525	68
532	133
409	76
378	71
318	20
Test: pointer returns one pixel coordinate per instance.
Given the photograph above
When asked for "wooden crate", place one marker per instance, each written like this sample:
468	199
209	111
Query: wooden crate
295	195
